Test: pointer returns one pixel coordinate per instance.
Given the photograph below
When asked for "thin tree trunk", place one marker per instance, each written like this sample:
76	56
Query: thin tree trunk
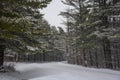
84	57
96	58
2	48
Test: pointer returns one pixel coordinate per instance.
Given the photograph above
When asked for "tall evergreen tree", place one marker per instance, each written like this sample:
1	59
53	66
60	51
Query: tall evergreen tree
89	22
15	22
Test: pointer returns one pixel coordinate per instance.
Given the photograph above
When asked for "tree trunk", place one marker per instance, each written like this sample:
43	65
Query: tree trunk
2	47
96	58
107	53
84	57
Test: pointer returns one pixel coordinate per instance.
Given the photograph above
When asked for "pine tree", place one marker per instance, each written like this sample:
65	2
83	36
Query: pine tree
90	22
15	22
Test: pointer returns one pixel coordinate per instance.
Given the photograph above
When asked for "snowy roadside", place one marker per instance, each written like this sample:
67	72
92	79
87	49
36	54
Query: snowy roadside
8	76
64	71
58	71
9	73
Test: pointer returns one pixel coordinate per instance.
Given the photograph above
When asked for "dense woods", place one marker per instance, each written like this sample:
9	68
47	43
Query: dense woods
93	36
24	34
18	24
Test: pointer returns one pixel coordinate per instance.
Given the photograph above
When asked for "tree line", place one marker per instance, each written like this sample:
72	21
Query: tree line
93	33
24	31
17	20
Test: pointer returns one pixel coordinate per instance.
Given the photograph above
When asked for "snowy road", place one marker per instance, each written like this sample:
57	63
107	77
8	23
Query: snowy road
64	71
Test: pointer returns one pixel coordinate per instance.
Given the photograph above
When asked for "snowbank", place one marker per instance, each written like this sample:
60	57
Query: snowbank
8	76
64	71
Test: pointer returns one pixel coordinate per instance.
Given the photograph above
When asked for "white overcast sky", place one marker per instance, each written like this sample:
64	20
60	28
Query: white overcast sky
52	13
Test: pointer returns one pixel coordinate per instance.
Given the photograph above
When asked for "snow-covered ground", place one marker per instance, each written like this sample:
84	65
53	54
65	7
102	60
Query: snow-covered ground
7	76
63	71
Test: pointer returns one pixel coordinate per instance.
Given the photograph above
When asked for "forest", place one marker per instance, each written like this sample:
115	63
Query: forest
93	33
91	39
87	47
